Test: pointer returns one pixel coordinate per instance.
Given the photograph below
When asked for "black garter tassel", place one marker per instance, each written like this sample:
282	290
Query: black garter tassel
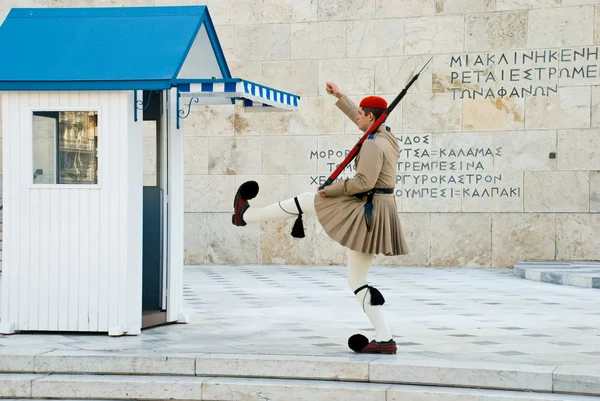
376	297
298	229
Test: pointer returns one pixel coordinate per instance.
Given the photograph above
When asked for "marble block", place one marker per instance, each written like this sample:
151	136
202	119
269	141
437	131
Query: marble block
459	6
594	191
373	38
289	155
272	188
302	367
431	35
196	154
596	107
127	3
279	247
317	116
251	70
340	10
230	156
417	231
332	150
579	150
123	387
318	40
234	12
499	114
461	240
467	374
280	390
576	237
16	385
431	113
525	150
228	244
423	192
353	76
392	74
519	236
328	251
16	363
74	3
464	151
418	393
282	11
298	77
260	123
209	121
498	191
208	193
195	237
597	25
569	108
404	8
226	35
503	5
263	42
77	362
560	191
577	379
560	27
498	30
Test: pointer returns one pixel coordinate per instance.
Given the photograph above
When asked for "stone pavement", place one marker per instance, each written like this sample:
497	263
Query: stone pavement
435	313
578	274
481	328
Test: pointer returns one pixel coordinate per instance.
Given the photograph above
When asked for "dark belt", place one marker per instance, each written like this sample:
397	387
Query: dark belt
369	204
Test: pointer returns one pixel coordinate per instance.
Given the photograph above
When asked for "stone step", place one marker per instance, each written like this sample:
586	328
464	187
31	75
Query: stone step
581	274
88	387
388	370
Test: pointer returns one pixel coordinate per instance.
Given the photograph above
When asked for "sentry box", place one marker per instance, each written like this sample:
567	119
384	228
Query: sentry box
87	246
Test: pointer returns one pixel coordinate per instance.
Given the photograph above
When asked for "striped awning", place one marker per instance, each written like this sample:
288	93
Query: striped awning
220	91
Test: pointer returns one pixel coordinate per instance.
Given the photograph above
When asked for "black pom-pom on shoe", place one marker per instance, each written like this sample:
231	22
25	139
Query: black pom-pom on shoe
357	342
248	190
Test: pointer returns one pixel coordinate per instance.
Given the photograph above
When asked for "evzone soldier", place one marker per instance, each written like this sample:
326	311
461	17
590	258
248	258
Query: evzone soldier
359	213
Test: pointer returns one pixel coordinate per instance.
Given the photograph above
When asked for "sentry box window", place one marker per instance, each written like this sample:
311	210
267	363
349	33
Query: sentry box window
65	147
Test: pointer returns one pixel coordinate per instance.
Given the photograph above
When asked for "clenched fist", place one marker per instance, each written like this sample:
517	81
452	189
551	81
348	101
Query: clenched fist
333	89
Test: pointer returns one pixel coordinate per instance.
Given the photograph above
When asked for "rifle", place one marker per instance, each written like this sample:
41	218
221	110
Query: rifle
372	129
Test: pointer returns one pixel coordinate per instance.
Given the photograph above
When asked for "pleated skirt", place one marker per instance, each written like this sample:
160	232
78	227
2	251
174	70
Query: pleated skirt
343	219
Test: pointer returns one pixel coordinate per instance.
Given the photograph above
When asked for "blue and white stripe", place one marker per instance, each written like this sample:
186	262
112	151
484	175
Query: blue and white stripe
254	95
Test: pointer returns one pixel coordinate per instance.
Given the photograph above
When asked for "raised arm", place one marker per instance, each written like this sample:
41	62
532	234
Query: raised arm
344	103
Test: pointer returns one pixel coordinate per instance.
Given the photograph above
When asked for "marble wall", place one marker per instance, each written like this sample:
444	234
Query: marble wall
500	135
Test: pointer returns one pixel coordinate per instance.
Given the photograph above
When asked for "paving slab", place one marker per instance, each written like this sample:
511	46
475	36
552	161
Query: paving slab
458	324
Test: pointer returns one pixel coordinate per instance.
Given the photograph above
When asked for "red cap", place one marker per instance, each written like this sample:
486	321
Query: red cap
374	102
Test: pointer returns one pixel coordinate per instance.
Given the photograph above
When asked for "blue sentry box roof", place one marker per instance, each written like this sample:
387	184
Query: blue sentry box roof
130	47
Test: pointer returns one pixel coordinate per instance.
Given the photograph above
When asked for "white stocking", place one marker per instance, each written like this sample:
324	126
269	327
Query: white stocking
358	269
282	210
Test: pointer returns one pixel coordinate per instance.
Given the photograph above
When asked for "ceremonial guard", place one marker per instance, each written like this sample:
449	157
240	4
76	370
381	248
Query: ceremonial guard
359	213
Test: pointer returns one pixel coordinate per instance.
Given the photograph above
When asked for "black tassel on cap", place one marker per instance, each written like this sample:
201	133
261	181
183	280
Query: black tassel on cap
298	229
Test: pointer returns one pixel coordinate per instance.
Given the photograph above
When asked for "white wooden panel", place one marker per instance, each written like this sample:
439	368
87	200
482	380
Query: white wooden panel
175	212
114	203
96	220
72	256
54	235
44	259
22	175
134	217
104	208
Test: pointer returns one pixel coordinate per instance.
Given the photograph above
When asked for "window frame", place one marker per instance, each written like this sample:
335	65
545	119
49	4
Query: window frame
59	109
